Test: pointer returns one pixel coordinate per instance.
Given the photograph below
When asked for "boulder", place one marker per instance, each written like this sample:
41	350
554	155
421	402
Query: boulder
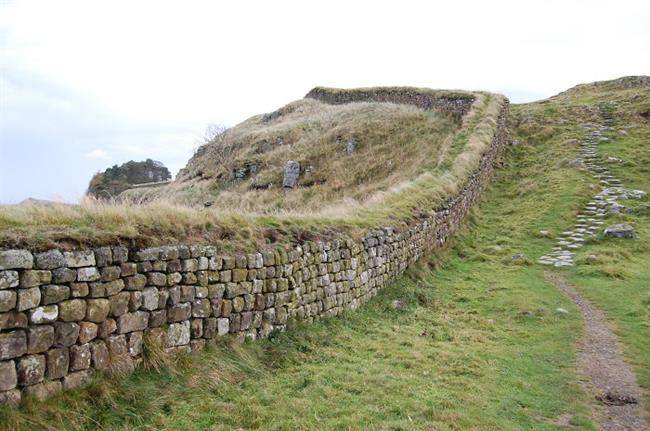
620	231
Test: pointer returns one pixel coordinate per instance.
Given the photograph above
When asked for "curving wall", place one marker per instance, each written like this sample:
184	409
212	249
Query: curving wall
66	313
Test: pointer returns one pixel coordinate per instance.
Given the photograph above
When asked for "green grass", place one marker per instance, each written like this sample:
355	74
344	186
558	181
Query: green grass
479	346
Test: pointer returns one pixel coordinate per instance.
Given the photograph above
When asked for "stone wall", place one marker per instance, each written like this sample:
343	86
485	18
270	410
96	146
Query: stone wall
455	103
66	313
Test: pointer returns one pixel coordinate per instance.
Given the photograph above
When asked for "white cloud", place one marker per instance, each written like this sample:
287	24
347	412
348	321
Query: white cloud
97	154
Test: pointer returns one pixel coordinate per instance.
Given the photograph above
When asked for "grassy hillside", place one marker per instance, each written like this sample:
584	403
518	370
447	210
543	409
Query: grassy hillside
480	343
384	180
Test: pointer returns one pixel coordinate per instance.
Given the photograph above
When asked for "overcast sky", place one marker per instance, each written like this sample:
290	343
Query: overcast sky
87	84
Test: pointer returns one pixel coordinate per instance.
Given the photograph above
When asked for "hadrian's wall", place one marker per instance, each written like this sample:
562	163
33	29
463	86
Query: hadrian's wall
64	314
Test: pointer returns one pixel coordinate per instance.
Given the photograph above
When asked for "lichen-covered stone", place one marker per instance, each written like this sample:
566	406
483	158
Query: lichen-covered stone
178	334
97	309
130	322
150	298
34	277
620	231
103	256
134	340
13	344
50	260
30	369
65	333
8	377
99	355
44	314
79	290
11	397
179	312
16	259
80	357
57	361
106	328
76	380
53	293
136	282
39	338
78	259
72	310
8	299
223	326
89	273
87	332
28	298
63	275
9	279
119	303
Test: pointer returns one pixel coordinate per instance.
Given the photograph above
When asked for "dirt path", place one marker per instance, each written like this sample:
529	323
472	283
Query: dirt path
601	363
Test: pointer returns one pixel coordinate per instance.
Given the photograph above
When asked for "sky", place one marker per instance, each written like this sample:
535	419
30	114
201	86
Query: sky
88	84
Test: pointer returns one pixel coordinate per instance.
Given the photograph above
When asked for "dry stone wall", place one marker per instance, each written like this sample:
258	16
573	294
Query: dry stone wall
64	314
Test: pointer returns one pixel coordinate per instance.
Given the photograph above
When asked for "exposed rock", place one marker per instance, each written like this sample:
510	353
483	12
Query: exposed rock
13	344
16	259
50	260
398	305
620	231
9	279
77	259
291	174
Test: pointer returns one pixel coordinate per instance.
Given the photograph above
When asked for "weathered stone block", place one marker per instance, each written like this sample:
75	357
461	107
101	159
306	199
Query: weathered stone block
80	357
8	300
119	303
201	308
223	326
66	333
210	327
9	279
58	362
8	377
44	314
97	309
87	332
107	327
44	390
16	259
11	397
120	254
156	279
28	298
135	300
50	260
30	369
89	273
79	290
178	334
63	275
110	273
34	277
150	298
130	322
188	293
77	259
179	312
134	340
13	320
72	310
157	318
76	380
136	282
99	355
53	293
128	269
103	256
39	338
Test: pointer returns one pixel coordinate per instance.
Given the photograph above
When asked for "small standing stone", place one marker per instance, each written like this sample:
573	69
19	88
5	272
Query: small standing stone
291	174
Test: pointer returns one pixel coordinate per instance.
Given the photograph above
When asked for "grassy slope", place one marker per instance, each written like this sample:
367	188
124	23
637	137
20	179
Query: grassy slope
480	345
42	227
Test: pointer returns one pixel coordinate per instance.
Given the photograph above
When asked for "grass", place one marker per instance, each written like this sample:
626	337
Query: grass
479	345
396	197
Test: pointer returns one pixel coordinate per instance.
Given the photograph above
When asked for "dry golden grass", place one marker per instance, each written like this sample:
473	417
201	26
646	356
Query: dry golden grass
427	173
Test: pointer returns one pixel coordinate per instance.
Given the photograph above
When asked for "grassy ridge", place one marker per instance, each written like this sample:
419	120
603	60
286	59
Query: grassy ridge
160	222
